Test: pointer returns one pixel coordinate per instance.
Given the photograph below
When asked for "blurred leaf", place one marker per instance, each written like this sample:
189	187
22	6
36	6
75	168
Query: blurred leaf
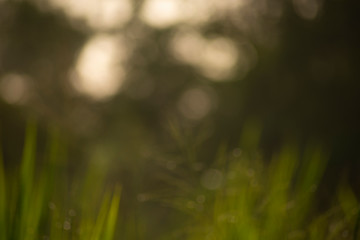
109	230
3	202
27	181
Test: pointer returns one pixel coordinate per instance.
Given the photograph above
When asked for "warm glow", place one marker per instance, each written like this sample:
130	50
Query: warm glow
98	71
162	13
215	58
13	88
187	46
195	103
166	13
99	14
307	9
218	58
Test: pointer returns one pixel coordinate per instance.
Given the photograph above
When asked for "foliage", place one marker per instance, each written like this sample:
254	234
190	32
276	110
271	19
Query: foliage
279	201
243	195
39	202
238	196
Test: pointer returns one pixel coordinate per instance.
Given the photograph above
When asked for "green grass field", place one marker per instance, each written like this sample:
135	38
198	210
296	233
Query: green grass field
241	198
38	202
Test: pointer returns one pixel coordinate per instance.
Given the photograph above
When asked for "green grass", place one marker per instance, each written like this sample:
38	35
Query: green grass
238	196
36	201
248	197
3	198
274	201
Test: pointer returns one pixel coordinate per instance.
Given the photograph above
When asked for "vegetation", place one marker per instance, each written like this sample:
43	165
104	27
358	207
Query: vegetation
39	202
244	199
110	75
276	202
240	198
242	195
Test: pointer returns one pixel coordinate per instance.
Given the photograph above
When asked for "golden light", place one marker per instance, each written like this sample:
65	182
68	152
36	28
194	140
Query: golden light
218	59
187	46
162	13
98	14
99	72
166	13
215	58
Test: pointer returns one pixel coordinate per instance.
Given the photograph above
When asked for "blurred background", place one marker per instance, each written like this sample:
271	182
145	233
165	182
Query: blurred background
141	87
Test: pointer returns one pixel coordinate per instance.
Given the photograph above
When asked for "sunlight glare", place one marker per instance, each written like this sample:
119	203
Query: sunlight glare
187	46
98	71
99	14
166	13
219	58
161	13
215	58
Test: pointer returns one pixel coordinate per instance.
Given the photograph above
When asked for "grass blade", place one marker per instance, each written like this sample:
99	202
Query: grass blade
27	177
3	195
101	218
112	215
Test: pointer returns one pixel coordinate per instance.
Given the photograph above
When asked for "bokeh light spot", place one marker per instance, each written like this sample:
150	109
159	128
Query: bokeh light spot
99	14
219	58
14	88
195	103
187	46
99	72
215	58
161	13
307	9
